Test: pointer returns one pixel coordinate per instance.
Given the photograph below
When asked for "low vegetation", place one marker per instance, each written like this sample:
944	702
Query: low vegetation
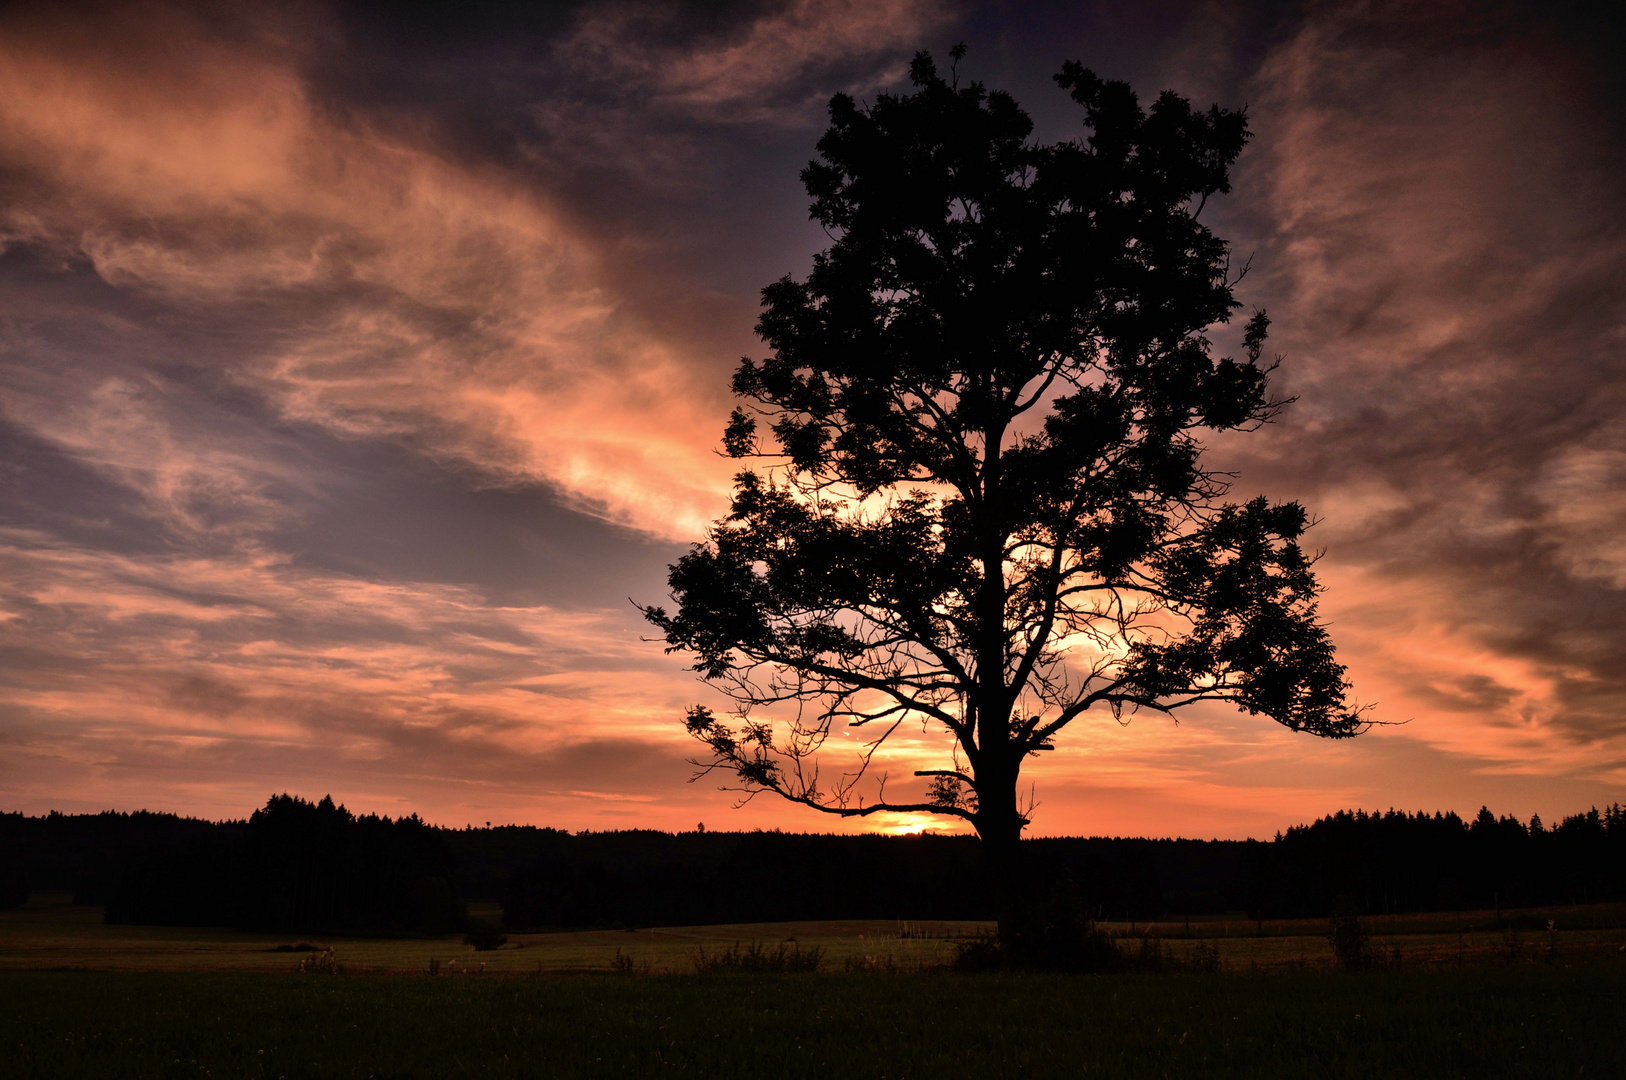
755	958
1534	1020
1531	993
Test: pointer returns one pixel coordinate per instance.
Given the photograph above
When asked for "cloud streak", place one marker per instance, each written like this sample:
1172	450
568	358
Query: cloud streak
390	292
350	383
1443	251
212	677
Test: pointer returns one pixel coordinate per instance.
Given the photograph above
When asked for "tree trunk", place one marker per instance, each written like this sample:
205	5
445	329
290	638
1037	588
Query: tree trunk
1000	828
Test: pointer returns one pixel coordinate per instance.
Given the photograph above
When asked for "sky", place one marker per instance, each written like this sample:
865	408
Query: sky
360	368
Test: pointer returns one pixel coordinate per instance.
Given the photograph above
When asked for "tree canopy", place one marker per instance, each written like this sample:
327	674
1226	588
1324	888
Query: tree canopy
980	505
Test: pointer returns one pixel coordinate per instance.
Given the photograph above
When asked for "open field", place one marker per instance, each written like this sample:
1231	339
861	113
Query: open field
181	1002
1494	1021
50	934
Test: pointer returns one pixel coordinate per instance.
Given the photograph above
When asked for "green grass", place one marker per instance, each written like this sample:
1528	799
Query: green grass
1530	1020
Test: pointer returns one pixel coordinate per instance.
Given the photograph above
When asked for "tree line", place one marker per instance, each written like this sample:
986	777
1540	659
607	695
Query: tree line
1382	862
308	867
294	865
1398	862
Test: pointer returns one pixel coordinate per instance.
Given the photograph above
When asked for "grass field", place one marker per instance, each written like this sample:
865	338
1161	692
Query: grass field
1527	1021
82	999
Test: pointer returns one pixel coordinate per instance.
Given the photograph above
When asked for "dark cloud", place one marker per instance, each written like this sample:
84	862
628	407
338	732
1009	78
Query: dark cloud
1440	240
357	362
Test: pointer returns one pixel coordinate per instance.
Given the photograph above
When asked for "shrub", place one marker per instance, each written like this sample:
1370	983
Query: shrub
1204	959
882	964
757	958
321	963
1351	941
1063	941
623	964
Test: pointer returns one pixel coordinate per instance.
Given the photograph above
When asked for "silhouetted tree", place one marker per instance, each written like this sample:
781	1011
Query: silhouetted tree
300	866
983	510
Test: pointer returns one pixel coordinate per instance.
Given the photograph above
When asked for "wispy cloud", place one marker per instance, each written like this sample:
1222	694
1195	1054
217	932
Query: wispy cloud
1442	252
390	291
778	64
211	678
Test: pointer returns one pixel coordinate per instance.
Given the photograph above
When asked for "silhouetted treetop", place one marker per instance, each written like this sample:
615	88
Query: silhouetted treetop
969	263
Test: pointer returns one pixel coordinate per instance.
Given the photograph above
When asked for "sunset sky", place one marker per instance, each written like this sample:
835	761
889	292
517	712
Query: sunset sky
357	369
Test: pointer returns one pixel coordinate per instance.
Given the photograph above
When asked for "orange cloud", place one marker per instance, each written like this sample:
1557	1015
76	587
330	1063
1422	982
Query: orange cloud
440	301
213	678
1444	295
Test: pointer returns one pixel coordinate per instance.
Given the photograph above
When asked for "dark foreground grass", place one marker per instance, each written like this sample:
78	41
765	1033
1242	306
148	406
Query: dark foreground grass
1531	1020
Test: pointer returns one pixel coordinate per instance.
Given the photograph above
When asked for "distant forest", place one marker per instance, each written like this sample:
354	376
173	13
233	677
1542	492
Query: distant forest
298	866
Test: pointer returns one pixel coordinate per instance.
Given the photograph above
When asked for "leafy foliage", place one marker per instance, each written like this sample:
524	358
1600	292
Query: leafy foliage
982	506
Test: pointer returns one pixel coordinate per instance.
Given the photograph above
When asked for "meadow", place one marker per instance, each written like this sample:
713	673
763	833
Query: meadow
50	933
80	998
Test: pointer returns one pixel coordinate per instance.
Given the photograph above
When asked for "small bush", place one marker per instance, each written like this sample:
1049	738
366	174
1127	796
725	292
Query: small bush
320	963
1150	956
979	953
757	958
623	964
1061	944
1351	941
883	964
1204	959
484	935
1081	947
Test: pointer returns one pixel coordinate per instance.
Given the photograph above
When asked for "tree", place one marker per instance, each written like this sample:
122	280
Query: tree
982	509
